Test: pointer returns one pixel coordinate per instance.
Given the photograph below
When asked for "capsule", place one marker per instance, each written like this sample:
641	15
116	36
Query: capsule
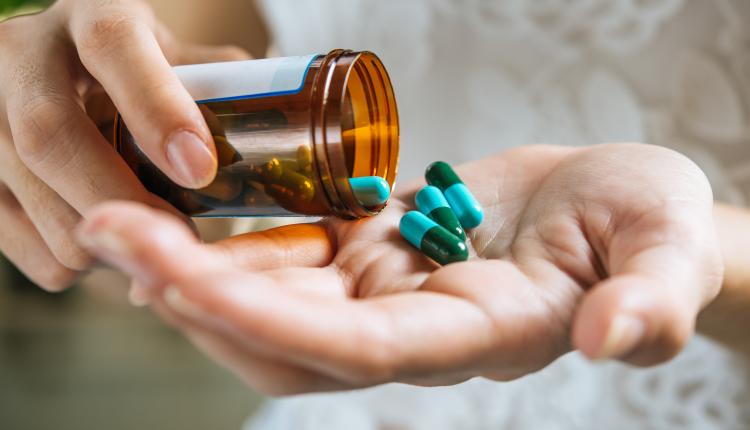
433	240
294	185
268	172
213	122
223	188
304	158
466	207
371	191
431	202
225	152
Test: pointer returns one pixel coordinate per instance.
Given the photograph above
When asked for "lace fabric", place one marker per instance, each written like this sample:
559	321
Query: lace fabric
670	72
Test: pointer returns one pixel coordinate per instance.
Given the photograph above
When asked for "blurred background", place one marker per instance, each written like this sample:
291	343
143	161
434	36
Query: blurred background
87	359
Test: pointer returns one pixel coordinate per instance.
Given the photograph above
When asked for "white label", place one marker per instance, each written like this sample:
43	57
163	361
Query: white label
245	79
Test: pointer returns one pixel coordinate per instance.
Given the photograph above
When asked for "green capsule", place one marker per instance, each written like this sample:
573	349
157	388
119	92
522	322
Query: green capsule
431	202
433	240
466	207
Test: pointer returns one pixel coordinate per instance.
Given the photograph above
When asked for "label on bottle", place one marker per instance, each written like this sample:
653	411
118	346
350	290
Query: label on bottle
236	80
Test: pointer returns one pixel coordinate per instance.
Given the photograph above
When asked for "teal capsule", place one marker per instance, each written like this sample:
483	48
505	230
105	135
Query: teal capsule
467	208
433	240
431	202
371	190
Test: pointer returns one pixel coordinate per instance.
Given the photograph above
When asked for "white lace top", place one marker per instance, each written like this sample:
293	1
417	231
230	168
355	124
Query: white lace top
476	76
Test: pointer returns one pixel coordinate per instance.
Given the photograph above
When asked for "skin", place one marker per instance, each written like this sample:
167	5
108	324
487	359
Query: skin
64	73
727	319
610	250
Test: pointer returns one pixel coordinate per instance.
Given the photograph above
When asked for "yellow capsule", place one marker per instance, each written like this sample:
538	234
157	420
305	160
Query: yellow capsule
287	199
301	186
225	152
271	171
290	165
304	158
265	173
224	188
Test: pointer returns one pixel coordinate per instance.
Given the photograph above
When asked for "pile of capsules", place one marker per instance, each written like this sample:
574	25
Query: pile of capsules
286	182
446	209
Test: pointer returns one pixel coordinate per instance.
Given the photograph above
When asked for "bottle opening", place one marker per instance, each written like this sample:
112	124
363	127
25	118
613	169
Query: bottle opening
356	131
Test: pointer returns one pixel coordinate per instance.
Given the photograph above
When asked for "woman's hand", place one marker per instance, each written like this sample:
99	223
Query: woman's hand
59	69
609	249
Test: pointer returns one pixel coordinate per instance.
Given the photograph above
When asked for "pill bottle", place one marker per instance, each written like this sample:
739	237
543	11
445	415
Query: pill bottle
289	132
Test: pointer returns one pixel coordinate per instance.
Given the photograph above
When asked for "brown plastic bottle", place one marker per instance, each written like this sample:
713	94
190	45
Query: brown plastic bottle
289	133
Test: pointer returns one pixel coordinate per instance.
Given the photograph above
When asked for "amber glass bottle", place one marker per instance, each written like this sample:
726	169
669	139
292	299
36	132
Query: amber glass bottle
289	133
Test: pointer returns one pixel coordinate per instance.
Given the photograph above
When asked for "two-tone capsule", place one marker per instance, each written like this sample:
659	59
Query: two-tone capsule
431	239
431	202
371	191
465	206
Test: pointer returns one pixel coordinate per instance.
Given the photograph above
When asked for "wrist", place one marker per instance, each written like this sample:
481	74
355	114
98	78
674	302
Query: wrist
727	318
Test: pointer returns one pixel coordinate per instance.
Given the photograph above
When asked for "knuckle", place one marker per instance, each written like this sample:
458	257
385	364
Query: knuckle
40	122
54	277
107	32
71	256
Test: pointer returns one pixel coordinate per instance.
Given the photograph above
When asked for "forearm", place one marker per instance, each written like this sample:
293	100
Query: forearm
727	319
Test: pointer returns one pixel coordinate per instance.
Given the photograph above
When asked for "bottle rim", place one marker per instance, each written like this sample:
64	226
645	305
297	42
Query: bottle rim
375	138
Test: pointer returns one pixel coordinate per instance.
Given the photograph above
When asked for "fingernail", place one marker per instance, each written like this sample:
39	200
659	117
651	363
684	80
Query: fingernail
139	295
624	333
179	304
192	161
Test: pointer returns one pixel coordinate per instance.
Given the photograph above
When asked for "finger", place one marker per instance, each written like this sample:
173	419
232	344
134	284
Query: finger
139	295
117	45
155	248
298	245
60	145
53	218
363	342
645	312
269	375
283	313
22	244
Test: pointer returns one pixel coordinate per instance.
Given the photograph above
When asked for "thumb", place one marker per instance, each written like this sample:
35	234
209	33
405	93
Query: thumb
645	312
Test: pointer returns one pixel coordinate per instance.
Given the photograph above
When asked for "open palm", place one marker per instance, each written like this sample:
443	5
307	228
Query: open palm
609	249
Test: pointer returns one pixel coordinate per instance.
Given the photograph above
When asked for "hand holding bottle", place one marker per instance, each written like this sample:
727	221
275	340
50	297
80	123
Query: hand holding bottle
62	73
